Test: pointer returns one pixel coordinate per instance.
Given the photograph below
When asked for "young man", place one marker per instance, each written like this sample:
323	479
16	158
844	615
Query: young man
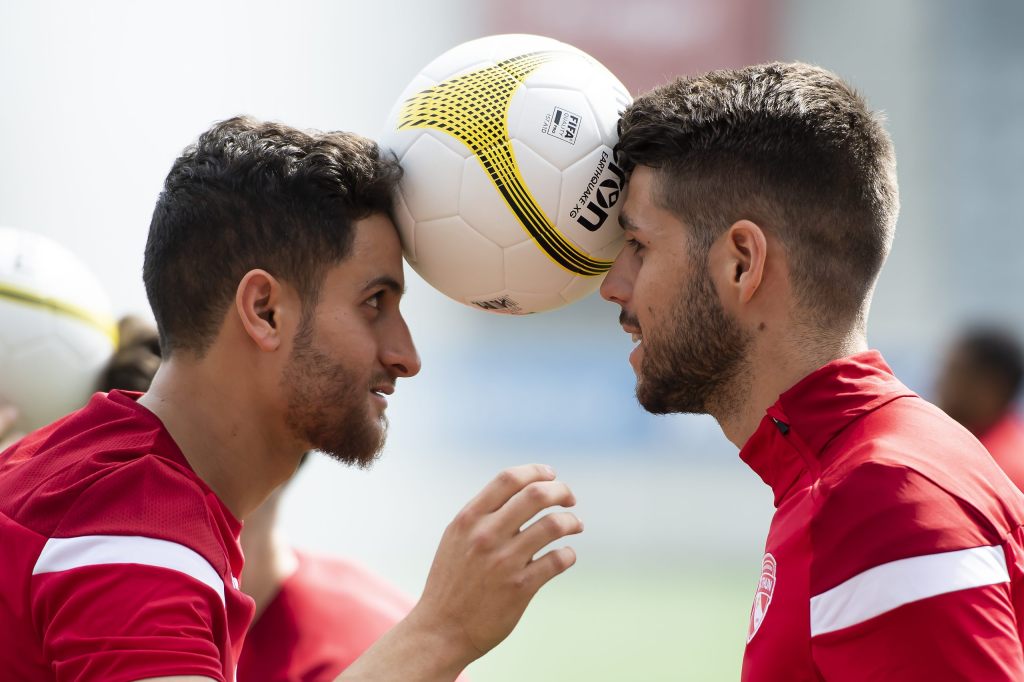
978	385
274	273
760	208
314	614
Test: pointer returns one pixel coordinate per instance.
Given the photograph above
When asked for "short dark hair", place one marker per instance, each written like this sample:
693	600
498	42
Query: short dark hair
789	146
249	194
996	354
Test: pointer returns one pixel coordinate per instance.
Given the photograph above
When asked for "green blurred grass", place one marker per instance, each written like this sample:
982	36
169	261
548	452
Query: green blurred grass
636	624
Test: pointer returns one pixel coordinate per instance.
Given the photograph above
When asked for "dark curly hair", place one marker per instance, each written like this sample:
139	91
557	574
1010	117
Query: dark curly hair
789	146
247	195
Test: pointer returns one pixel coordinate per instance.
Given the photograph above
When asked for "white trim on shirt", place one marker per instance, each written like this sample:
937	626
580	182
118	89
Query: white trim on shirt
889	586
64	554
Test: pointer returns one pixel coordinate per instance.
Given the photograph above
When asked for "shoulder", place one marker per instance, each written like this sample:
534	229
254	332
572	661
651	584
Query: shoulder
910	456
149	496
111	470
880	510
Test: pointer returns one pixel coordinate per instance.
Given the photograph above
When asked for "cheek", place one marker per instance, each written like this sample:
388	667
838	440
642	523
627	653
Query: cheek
653	287
352	344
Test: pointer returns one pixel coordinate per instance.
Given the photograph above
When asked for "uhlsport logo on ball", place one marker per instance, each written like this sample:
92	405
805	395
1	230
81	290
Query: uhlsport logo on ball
510	197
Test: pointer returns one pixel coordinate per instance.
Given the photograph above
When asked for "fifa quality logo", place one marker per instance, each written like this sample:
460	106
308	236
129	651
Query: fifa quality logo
599	196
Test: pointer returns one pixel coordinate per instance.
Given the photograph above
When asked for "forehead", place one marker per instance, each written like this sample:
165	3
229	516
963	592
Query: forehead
640	211
376	253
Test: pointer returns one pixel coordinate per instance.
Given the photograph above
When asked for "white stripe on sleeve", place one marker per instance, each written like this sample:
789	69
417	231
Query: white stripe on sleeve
886	587
63	554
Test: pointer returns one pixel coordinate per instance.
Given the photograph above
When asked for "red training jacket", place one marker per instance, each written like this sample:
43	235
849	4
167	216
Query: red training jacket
895	553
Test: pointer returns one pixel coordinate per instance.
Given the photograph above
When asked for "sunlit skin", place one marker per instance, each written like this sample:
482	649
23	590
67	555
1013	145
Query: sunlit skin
347	360
253	433
694	330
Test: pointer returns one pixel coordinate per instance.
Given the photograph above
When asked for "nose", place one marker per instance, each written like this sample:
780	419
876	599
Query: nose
618	283
399	355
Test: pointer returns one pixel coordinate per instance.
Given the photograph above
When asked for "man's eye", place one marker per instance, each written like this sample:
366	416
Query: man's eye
374	301
634	244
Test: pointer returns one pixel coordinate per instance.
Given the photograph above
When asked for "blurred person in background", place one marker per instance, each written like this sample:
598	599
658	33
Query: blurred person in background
978	385
274	272
760	207
314	614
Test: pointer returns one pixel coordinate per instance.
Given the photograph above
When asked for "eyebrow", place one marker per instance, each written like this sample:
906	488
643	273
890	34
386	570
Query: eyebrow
388	282
626	223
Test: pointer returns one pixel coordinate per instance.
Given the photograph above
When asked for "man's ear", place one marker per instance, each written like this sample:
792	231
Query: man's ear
257	301
744	258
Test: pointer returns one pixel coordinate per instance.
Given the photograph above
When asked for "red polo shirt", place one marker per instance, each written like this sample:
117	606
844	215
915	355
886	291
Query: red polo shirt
322	619
895	552
117	562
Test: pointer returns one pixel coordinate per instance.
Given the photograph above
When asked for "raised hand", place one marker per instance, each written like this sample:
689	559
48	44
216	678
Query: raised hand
483	577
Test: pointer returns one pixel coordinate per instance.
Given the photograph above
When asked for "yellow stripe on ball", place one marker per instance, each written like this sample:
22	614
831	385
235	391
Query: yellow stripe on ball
473	108
106	325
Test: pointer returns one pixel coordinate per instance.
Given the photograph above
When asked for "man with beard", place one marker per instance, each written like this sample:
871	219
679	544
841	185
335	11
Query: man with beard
314	614
759	210
275	274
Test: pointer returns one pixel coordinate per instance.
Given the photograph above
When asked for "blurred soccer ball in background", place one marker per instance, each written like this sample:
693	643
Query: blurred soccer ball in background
510	197
57	331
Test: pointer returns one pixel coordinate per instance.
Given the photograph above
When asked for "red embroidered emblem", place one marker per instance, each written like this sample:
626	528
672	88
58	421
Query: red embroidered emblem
763	595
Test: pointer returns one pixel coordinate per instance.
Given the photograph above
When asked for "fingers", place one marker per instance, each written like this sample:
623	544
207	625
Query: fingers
528	502
484	573
552	564
506	484
544	531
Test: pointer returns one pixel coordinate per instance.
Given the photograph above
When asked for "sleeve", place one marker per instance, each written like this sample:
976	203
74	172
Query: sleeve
908	583
120	593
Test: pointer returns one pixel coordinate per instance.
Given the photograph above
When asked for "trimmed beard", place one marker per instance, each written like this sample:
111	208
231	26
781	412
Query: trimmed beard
326	406
692	367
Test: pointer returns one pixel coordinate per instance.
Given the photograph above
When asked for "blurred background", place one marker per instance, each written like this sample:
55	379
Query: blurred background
98	98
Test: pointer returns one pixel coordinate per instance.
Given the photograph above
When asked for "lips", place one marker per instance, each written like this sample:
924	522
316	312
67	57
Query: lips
379	391
631	327
634	332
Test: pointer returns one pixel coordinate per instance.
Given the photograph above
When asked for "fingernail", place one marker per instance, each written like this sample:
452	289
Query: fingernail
551	472
8	413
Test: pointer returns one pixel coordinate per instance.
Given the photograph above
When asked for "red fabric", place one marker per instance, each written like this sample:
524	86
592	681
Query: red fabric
322	619
1005	440
952	636
865	473
111	469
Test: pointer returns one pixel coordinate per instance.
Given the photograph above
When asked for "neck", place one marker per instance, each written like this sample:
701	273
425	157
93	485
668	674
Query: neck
773	366
269	560
231	441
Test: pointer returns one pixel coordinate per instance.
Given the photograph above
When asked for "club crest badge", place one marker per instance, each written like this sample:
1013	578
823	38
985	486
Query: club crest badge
763	595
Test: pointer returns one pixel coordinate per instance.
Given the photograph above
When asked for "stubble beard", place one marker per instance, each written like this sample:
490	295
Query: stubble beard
327	405
698	365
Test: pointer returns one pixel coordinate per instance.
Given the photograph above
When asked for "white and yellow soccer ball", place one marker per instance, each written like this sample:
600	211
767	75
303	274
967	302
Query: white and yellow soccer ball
510	197
57	331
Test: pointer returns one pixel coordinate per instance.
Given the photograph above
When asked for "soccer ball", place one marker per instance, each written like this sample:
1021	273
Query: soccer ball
509	202
57	331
